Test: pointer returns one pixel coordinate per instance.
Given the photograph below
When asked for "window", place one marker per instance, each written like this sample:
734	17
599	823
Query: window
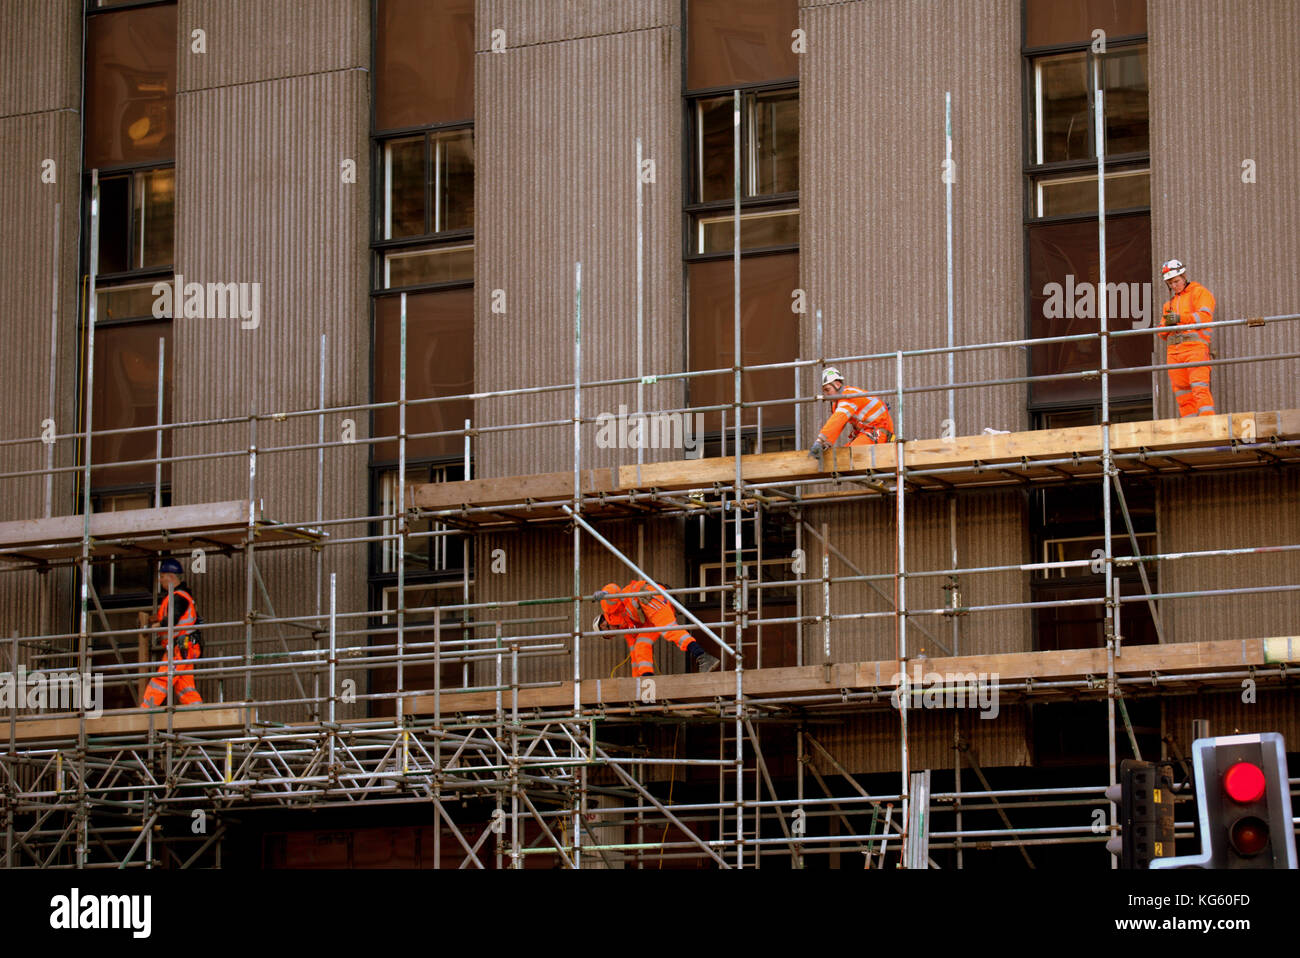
423	603
1060	172
424	143
1063	156
769	333
136	221
424	552
130	87
129	135
734	46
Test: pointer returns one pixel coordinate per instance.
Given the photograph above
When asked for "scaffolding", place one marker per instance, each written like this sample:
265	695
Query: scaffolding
571	772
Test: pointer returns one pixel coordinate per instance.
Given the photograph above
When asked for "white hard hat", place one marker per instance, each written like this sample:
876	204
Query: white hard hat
1171	269
830	375
598	624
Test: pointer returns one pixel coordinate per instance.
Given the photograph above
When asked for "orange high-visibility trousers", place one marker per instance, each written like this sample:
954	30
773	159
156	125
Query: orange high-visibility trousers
642	646
155	696
1191	384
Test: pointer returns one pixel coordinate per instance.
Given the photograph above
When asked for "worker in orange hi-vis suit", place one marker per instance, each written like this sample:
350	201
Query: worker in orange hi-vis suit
178	606
644	617
1191	303
866	416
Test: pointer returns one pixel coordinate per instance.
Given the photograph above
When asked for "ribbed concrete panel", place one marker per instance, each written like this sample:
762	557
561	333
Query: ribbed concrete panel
249	40
1272	711
1230	512
528	22
872	247
261	199
1209	114
40	46
538	564
556	184
870	742
989	532
28	603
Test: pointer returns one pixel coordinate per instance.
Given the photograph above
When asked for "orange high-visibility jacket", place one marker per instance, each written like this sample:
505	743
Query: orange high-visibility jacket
861	412
1195	304
182	627
648	612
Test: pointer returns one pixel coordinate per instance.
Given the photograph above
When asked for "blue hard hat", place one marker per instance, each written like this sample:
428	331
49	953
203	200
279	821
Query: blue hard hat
172	566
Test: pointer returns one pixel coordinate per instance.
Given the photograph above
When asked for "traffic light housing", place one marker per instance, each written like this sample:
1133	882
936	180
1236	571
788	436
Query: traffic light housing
1145	796
1243	803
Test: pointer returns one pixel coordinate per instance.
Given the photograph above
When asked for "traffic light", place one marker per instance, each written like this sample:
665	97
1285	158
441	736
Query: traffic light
1243	804
1145	796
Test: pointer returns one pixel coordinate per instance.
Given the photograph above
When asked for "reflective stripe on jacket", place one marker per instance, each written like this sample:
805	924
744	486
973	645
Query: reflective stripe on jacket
1195	304
859	411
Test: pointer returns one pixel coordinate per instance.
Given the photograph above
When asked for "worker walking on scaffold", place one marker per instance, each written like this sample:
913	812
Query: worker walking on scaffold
178	610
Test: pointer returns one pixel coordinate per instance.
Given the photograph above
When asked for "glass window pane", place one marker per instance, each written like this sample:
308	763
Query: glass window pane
757	230
443	264
155	203
126	395
1050	22
715	147
1065	195
114	224
439	362
456	182
404	188
131	86
1062	120
1124	74
769	334
734	42
124	302
775	131
1063	275
424	63
417	550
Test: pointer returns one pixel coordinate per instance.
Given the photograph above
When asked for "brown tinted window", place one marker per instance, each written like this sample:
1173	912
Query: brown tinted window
1049	22
439	362
1063	302
769	334
735	42
424	63
131	86
126	395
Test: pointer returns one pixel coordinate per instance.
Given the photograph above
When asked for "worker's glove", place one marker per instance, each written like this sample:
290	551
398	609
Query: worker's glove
1171	319
818	448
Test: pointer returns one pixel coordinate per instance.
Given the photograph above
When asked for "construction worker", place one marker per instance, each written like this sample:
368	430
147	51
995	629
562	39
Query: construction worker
866	416
1191	303
646	617
178	610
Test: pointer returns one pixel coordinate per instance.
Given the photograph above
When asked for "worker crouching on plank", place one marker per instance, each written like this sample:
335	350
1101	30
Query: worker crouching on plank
1191	303
177	606
645	617
866	417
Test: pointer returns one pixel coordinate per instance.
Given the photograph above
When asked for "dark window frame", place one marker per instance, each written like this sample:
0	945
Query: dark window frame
692	209
1031	172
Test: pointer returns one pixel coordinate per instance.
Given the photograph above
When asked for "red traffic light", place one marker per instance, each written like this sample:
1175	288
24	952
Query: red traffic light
1249	836
1244	783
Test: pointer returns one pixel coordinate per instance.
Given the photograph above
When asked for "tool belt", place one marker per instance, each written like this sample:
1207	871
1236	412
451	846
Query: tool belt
1177	339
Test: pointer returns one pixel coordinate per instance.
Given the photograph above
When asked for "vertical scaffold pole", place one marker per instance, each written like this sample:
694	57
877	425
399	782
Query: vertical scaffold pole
83	629
576	751
1107	463
401	517
738	599
900	603
320	518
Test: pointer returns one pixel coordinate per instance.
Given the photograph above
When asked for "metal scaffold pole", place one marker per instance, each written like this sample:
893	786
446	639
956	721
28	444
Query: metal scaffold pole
1107	463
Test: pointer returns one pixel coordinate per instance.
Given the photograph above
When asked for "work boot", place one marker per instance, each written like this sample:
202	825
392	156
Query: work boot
708	663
